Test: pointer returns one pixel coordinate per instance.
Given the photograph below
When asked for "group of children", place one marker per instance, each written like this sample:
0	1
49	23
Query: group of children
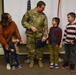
68	40
54	40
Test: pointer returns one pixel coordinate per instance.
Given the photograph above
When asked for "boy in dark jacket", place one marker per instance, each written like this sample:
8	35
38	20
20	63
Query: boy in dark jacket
55	35
14	52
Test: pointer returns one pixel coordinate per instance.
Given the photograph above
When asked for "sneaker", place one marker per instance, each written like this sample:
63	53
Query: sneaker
27	61
13	67
8	67
56	66
72	67
64	66
51	65
20	66
72	70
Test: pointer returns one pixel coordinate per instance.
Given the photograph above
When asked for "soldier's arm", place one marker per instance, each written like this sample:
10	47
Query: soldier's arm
45	32
25	20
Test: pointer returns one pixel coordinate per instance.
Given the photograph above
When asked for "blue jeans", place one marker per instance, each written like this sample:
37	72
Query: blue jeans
14	56
15	59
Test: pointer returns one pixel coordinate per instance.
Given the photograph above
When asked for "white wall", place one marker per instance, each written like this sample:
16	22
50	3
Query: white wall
67	6
18	7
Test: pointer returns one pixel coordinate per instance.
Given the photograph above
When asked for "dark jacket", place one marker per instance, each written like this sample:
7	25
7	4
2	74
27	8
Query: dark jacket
55	35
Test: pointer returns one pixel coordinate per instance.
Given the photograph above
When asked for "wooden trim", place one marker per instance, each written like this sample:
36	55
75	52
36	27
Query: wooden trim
2	6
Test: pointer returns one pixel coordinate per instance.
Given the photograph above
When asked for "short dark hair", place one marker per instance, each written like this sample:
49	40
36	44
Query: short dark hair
72	14
57	20
40	3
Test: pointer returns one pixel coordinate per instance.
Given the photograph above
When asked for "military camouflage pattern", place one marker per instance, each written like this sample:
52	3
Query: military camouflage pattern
38	20
31	46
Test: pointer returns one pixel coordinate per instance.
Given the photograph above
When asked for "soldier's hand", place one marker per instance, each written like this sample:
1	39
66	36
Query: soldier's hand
33	28
43	39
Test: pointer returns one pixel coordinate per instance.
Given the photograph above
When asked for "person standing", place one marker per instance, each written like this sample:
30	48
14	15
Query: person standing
69	42
54	39
7	29
36	24
14	51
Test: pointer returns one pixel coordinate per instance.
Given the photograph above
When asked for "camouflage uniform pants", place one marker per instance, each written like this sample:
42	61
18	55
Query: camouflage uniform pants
32	51
53	49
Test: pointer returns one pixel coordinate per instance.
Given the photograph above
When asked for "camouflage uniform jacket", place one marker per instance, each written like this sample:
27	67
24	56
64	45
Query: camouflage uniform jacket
36	19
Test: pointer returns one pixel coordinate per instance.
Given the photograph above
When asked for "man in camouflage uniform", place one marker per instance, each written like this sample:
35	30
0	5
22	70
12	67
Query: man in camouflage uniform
35	22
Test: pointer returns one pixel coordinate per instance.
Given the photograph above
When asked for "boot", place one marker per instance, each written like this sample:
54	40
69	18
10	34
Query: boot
31	65
40	64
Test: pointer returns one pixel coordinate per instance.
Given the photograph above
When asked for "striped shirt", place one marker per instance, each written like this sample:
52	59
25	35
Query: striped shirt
70	33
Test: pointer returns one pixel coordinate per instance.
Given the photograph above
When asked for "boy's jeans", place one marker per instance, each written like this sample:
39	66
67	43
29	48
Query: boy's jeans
70	53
